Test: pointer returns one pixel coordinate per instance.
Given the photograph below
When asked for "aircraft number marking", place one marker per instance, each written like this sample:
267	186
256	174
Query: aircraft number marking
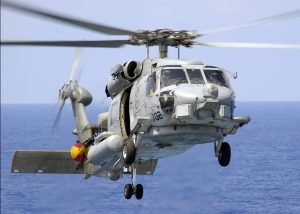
157	116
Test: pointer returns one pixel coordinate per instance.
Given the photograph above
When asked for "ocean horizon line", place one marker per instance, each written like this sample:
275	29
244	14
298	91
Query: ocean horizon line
98	103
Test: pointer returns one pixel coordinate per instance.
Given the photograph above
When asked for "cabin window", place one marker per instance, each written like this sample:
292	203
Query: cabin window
195	76
172	77
151	84
215	77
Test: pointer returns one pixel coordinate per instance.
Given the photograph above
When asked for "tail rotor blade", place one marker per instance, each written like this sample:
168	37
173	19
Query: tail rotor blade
78	74
57	119
75	64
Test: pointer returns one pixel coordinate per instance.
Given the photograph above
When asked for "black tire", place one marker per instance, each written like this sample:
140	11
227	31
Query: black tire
139	191
129	151
128	191
225	154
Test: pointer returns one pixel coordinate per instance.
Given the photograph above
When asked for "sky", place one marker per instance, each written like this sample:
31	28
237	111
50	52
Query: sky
34	74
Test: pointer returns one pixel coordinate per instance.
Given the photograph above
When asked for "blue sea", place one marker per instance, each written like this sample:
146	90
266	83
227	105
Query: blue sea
263	176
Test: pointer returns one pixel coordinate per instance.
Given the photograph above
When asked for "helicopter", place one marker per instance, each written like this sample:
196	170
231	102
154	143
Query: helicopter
160	107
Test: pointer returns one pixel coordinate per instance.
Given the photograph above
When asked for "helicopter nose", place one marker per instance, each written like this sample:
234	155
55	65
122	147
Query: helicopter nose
180	95
201	93
190	99
226	96
188	94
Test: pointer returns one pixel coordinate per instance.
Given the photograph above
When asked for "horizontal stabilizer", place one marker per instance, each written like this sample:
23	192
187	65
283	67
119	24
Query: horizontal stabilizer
44	162
242	120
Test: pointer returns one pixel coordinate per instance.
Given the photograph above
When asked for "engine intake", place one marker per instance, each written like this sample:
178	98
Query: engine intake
122	77
132	70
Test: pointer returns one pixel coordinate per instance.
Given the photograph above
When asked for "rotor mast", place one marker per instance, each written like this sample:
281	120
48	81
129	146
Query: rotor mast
163	51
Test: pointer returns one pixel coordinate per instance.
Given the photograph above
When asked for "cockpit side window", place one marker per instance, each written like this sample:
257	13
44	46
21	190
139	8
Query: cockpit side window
215	77
151	84
172	77
195	76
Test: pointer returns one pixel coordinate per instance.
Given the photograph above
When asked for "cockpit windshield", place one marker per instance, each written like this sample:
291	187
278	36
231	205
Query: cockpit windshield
215	77
172	77
195	76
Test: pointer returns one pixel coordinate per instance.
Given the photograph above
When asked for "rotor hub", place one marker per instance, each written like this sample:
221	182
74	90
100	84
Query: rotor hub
164	37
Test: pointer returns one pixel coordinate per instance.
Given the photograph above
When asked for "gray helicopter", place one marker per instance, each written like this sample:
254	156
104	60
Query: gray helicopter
160	107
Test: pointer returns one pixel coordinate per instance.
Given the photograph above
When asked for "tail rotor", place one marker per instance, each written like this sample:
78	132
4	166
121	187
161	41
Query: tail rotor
65	91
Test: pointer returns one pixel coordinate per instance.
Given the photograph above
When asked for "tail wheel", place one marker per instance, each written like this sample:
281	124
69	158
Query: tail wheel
128	191
129	151
139	191
224	154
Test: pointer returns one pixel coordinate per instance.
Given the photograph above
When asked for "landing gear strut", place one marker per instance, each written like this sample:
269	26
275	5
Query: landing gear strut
223	152
133	189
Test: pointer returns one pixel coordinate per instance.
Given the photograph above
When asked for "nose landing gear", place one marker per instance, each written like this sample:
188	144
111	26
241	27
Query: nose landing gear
223	153
130	190
133	189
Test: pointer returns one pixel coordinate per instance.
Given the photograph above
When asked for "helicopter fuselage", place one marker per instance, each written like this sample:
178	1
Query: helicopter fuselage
172	106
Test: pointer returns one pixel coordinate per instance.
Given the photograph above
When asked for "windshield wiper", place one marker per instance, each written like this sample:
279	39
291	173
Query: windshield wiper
180	81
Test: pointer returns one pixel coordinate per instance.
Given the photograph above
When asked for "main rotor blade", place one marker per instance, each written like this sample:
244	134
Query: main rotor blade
266	20
73	21
247	45
90	44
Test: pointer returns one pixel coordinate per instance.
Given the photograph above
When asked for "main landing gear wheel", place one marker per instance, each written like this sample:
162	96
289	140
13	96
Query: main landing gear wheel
129	151
224	154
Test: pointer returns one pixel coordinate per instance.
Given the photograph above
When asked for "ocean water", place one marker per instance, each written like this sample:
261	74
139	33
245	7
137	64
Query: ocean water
263	176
